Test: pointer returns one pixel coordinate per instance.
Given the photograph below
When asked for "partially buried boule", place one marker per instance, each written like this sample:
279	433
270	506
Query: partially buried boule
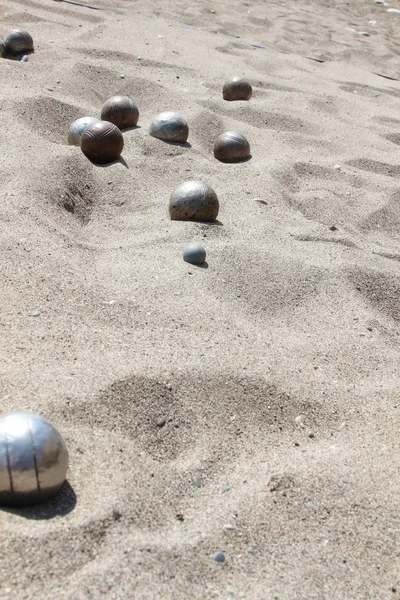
170	127
120	110
193	201
18	41
237	88
231	146
194	254
102	142
77	128
33	459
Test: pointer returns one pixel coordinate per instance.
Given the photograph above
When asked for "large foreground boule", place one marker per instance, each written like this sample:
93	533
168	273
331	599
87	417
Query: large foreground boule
78	127
231	146
237	88
170	127
120	110
102	142
18	41
33	459
193	201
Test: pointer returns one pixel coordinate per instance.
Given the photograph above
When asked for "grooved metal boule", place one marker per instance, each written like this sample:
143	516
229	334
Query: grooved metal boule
33	459
237	89
120	110
18	41
231	146
102	142
170	127
77	128
193	201
194	254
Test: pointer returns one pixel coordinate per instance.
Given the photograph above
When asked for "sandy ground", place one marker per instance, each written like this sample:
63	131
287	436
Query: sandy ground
276	368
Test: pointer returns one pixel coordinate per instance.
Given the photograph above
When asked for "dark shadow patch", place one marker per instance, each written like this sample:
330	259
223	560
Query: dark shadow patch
60	10
135	406
72	188
48	117
96	84
205	128
326	240
375	166
313	170
386	218
381	290
242	111
394	138
369	91
262	283
62	504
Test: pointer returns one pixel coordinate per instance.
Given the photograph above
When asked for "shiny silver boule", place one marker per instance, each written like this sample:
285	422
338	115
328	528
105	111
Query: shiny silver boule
77	128
231	146
193	201
33	459
237	89
170	127
18	41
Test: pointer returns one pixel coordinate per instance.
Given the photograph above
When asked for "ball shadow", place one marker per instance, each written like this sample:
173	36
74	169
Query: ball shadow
235	162
62	504
133	128
119	160
17	57
180	144
203	265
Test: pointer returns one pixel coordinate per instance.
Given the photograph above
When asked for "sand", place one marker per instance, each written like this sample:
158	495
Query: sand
275	368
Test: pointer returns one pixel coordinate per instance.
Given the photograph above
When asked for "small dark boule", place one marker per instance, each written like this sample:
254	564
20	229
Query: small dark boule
120	110
102	142
18	41
2	48
170	127
231	146
237	89
194	254
33	459
193	201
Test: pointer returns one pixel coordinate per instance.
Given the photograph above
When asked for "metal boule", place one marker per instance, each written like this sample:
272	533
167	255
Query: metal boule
33	459
170	127
18	41
231	146
102	142
237	89
77	128
193	201
120	110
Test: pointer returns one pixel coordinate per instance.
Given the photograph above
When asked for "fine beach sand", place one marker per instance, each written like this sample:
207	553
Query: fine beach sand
276	368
